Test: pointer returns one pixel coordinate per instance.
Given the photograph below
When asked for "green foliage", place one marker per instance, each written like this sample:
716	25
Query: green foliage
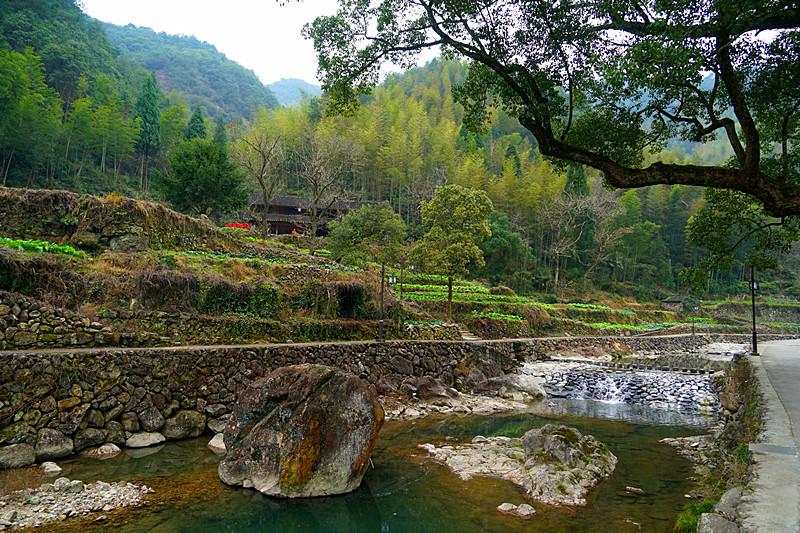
504	251
195	69
147	111
689	517
196	128
201	178
373	233
258	299
589	306
455	220
734	227
614	106
220	135
41	247
499	316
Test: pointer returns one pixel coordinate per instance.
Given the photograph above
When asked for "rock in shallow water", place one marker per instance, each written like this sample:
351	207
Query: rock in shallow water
217	444
555	464
304	430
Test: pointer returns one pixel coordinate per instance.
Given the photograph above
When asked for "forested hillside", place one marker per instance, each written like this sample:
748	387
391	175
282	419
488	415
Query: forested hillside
194	69
290	91
553	225
76	114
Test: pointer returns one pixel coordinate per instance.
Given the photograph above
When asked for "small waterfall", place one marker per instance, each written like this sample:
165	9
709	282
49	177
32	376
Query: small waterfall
661	390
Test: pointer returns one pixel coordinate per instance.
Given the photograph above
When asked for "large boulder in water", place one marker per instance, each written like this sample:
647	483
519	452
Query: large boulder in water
304	430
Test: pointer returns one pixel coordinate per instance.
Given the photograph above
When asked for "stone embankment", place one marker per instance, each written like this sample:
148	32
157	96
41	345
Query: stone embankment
53	404
28	324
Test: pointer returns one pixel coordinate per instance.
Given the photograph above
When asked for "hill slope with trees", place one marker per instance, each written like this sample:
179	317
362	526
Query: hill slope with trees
290	91
196	70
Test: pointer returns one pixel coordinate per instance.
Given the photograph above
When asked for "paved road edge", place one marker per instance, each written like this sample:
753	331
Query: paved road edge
771	504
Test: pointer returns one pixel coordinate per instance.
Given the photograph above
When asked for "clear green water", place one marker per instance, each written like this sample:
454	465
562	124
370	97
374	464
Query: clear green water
406	492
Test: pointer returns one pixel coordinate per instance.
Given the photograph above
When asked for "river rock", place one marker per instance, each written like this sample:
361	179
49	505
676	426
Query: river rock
522	511
144	440
434	390
184	425
106	450
86	438
304	430
217	444
16	455
151	420
52	444
217	425
15	433
727	504
714	523
555	464
116	433
50	468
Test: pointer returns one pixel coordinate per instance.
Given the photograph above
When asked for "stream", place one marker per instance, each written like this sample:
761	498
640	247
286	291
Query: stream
405	491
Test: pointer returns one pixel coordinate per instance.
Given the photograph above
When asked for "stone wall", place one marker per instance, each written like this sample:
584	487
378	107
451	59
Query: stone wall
28	324
56	403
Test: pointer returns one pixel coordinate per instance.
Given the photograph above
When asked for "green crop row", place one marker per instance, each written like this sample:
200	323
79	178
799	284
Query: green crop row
410	287
476	298
498	315
589	306
41	246
329	268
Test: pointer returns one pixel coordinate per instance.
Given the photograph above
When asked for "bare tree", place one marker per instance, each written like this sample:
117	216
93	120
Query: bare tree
565	223
602	207
324	160
261	153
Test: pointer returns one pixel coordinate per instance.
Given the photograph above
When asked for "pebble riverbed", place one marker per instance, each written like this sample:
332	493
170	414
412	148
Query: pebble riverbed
65	498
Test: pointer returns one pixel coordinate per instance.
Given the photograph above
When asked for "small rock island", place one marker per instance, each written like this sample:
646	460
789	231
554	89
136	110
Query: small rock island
555	464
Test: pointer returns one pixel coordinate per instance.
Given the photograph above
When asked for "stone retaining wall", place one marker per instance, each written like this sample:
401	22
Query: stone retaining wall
28	324
56	403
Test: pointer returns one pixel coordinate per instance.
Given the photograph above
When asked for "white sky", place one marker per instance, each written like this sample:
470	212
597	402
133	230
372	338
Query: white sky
260	35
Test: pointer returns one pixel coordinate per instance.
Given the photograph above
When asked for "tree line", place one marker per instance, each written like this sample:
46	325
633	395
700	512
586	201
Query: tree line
552	224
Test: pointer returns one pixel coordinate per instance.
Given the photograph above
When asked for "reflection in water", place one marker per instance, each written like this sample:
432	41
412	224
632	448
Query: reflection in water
635	414
406	492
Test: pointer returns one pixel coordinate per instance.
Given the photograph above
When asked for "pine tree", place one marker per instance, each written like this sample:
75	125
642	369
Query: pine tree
196	128
146	110
220	136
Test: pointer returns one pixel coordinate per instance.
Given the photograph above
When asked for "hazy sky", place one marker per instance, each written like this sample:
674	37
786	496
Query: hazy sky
261	35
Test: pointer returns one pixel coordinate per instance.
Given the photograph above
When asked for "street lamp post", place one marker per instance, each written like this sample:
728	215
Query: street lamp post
380	321
753	289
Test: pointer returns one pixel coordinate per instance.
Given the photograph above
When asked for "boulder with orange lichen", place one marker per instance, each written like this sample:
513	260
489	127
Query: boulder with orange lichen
303	431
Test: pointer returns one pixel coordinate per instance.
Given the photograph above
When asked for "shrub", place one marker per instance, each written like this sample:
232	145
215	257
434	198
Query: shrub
160	287
223	296
688	519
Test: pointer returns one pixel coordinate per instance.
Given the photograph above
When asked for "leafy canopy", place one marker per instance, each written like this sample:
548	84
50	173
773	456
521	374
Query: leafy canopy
372	233
455	221
202	178
601	83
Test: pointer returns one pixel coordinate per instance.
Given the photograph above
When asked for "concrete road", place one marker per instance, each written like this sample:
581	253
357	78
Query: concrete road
773	506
